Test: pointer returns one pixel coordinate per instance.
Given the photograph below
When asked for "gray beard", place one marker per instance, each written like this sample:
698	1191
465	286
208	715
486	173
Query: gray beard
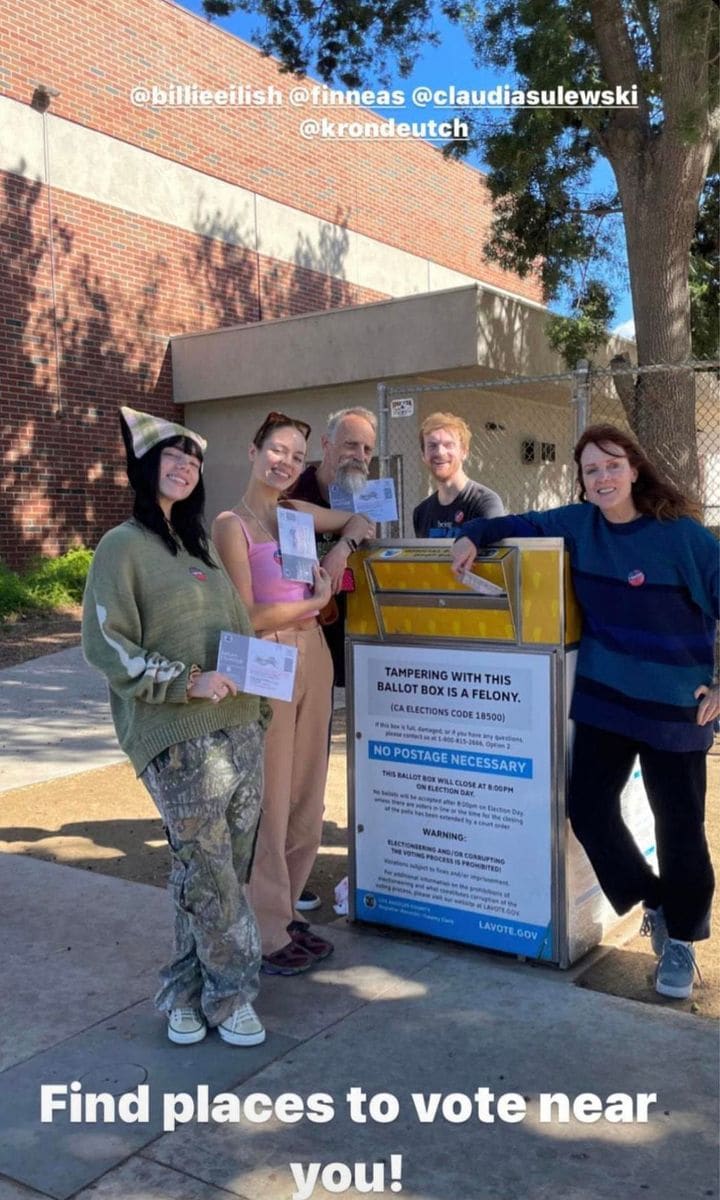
352	476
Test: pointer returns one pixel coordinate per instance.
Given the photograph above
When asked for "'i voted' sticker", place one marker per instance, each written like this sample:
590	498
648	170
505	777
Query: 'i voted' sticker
636	578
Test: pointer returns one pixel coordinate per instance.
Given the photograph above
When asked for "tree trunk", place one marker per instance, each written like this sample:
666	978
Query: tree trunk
664	408
659	200
660	169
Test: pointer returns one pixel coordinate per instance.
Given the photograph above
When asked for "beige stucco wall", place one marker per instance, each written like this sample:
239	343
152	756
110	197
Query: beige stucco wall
431	332
229	426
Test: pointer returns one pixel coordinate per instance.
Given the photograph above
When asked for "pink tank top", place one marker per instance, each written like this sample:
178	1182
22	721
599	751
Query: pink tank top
268	584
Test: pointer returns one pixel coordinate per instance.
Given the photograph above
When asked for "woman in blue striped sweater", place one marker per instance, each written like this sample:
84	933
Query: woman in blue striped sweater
645	573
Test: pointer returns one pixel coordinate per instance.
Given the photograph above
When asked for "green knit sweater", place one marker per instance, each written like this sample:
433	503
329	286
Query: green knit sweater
147	618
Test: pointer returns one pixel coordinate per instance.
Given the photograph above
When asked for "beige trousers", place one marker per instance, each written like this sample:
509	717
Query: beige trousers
296	754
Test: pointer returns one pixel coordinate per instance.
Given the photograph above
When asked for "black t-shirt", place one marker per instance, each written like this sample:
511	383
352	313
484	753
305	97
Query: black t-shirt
307	489
432	519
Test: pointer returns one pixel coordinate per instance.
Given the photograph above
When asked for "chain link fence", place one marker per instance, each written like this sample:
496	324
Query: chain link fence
524	429
704	379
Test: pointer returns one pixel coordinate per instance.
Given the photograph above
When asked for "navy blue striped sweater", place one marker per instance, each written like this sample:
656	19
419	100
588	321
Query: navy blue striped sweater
648	591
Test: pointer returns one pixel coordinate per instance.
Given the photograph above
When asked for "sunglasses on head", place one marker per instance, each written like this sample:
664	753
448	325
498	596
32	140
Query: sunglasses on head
276	419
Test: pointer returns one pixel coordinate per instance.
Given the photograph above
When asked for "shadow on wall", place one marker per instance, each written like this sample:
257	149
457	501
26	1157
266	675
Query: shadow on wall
77	345
93	304
242	281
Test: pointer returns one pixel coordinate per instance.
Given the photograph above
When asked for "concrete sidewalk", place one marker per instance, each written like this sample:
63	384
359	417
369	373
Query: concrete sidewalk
54	720
386	1014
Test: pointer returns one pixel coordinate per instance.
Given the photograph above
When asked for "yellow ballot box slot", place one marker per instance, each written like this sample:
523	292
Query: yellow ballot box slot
406	575
410	589
449	623
403	588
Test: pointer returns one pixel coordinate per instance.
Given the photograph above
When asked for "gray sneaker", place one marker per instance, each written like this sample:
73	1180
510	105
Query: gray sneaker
654	927
676	970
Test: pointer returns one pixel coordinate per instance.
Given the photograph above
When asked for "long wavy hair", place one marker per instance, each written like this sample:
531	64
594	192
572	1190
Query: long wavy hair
187	515
652	493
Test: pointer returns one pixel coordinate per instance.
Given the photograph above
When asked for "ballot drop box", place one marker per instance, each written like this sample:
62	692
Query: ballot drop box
458	750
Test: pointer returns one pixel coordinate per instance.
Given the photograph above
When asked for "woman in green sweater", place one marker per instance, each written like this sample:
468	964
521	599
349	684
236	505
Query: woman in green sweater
155	604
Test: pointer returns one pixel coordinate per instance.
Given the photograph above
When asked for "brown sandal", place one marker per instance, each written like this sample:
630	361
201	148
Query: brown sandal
290	960
303	936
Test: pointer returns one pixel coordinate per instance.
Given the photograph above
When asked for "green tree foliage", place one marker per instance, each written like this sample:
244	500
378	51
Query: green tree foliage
340	41
577	336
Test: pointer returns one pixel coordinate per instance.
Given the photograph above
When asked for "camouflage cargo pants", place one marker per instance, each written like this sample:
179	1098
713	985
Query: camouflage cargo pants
208	792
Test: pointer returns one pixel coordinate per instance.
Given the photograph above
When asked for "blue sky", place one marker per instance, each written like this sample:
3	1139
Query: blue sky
439	67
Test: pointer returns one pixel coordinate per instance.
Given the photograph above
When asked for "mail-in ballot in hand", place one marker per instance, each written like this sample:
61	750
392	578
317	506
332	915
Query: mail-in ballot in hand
376	500
297	544
256	666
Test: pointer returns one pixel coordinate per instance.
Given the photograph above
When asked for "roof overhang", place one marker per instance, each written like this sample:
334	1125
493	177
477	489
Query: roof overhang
464	332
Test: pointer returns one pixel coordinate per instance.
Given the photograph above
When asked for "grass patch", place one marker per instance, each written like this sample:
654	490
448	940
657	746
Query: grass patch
47	584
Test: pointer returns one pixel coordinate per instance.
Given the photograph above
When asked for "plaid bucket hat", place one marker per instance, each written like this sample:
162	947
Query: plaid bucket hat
145	431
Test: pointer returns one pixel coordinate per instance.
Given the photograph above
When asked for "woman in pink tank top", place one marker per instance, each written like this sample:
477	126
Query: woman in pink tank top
296	745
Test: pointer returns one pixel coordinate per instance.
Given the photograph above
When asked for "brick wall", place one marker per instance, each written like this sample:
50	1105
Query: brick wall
405	194
123	285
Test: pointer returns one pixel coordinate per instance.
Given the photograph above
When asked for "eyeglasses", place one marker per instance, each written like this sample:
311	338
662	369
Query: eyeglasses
276	419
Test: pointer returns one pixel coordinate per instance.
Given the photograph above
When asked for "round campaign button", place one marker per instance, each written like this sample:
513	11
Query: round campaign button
636	578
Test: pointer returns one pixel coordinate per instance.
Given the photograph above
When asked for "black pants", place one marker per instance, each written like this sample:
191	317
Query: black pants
675	786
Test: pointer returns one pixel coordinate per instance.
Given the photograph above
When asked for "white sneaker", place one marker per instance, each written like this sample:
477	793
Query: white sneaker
185	1026
243	1027
308	901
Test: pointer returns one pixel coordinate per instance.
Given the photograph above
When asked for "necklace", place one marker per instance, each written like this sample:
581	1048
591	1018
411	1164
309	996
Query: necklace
246	506
171	530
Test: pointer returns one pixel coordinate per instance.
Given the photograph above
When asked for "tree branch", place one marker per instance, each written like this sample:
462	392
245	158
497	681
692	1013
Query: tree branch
600	210
619	63
644	16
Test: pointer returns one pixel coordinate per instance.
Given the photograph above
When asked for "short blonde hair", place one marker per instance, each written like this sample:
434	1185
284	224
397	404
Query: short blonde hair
445	420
